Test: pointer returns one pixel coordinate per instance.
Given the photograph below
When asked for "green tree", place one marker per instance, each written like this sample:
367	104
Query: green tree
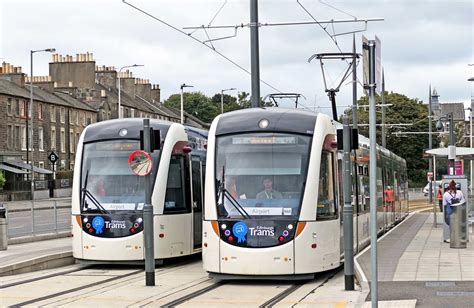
196	104
2	180
411	147
230	102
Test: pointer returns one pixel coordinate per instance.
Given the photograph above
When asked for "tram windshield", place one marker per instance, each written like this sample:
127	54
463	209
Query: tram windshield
261	175
107	181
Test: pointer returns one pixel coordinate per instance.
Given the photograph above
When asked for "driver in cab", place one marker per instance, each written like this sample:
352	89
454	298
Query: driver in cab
269	192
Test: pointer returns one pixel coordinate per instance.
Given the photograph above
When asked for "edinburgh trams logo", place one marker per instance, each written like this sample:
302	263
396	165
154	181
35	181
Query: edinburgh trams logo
98	224
240	230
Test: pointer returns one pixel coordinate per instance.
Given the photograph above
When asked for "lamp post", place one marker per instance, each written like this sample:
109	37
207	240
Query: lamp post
30	116
119	95
182	100
452	146
222	98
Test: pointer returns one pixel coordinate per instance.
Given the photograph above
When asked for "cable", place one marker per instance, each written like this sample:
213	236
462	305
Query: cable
339	10
218	11
214	50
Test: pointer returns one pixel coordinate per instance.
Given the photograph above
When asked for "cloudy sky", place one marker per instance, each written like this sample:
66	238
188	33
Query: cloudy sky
423	42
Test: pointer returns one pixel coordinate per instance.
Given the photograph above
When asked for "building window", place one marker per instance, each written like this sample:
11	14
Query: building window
17	107
62	166
16	137
71	165
53	114
121	111
62	115
132	112
77	141
23	138
103	115
71	141
9	106
31	139
53	138
9	136
22	109
63	141
40	111
141	114
40	139
83	119
108	115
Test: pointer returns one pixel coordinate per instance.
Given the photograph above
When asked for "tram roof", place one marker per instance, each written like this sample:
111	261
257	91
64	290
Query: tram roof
279	120
109	130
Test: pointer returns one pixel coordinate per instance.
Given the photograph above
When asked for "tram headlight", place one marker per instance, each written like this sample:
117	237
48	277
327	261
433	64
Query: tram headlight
123	132
224	226
290	227
263	123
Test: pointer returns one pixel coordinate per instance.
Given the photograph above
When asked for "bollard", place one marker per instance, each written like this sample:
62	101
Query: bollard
3	228
458	226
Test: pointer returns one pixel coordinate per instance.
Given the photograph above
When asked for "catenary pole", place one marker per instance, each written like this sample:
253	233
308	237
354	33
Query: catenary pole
148	215
354	83
430	166
254	54
347	211
373	176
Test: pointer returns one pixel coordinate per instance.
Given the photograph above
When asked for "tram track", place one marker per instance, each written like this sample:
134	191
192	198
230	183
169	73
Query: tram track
280	296
106	283
17	283
72	290
194	294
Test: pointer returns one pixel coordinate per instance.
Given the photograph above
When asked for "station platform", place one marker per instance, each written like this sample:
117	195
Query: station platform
415	264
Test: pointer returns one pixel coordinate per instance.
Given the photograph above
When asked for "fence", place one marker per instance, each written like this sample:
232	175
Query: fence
38	216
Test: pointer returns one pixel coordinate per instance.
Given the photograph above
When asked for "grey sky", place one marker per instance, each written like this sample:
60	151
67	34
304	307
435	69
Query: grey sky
423	42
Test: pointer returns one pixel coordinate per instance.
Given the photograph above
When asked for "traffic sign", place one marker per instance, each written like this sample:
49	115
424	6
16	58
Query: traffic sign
53	157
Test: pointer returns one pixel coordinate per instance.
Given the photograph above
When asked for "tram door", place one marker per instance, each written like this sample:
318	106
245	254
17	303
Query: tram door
197	189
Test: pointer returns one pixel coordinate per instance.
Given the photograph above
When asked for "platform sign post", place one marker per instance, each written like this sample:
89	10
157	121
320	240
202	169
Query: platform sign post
141	164
347	210
371	46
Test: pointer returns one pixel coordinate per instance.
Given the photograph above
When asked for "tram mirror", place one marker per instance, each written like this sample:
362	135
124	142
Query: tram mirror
140	162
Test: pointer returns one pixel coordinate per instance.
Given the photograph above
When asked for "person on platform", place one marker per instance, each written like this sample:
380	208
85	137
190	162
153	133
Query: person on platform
440	198
450	198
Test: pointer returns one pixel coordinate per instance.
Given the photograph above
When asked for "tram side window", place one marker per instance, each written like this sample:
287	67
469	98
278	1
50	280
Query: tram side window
174	199
326	208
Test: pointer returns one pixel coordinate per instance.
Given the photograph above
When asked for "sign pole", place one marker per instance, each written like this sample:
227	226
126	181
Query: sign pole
347	210
373	175
148	215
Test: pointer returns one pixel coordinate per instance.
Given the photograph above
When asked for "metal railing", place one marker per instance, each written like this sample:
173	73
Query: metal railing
38	216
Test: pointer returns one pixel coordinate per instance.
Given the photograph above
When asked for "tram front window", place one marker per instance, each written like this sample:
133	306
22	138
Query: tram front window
261	175
107	182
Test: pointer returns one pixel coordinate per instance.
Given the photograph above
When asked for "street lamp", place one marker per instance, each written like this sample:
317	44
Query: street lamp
30	118
452	146
222	98
119	96
182	99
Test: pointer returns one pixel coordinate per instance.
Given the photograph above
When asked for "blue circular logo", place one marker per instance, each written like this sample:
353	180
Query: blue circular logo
98	224
240	230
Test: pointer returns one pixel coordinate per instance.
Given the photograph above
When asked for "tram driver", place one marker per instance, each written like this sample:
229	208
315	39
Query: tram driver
268	192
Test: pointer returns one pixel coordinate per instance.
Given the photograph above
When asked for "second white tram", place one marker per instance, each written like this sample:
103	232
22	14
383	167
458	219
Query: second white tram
108	199
273	195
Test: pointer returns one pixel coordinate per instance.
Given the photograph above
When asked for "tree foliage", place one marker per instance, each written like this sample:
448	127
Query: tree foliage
207	108
411	147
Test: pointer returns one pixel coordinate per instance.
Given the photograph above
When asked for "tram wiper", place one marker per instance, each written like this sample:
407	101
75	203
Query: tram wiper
86	193
226	194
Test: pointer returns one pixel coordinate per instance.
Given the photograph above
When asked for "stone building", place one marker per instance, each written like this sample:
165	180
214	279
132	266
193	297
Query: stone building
58	120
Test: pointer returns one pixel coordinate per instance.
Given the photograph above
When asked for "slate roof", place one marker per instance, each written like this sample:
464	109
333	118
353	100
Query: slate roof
58	98
456	108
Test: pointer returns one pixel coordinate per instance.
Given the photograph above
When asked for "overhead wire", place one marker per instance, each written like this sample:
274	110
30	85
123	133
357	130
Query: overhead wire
199	41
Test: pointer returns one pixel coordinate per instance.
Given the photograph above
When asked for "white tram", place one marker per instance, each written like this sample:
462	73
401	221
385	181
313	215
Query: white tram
273	196
108	199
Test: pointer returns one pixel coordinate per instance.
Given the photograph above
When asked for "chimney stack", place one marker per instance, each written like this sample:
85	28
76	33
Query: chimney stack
12	73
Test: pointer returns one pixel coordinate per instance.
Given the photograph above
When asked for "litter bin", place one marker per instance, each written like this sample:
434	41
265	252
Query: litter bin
3	228
458	226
